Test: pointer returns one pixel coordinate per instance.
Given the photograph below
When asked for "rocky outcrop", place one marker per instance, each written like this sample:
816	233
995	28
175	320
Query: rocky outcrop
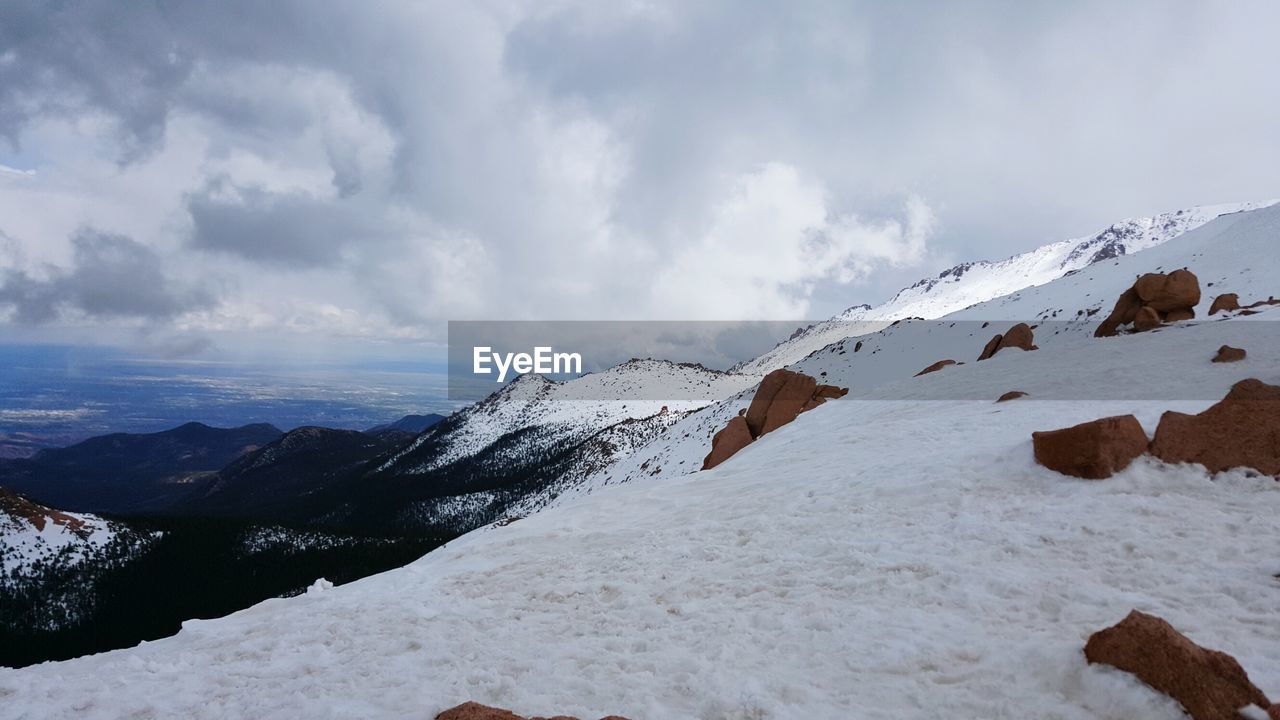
1095	450
735	436
1226	302
782	395
1154	299
1228	354
1020	336
936	367
1210	685
476	711
1011	395
1146	319
1240	431
1179	290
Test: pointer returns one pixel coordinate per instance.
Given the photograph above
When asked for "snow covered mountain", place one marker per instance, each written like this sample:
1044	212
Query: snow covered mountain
896	553
971	283
1235	253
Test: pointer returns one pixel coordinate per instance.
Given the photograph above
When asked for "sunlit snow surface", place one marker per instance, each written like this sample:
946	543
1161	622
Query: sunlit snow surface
887	555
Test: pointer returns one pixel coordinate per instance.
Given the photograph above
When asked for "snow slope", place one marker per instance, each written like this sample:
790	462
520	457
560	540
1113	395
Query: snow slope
577	408
32	535
893	554
1237	253
975	282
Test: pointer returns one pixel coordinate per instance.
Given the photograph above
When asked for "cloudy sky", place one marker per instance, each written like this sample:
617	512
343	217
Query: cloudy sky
174	175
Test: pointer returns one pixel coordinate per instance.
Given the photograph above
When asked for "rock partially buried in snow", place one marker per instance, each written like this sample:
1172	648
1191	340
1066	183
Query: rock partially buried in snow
1179	290
1011	395
1240	431
1146	319
936	367
1154	299
1226	302
1095	450
782	396
1210	685
1228	354
476	711
735	436
1020	336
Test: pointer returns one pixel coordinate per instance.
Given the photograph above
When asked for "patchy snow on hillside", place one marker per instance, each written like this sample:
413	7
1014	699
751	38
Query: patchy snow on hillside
971	283
32	536
893	554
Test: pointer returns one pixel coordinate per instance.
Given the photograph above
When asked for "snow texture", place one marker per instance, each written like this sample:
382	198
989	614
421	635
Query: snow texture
893	554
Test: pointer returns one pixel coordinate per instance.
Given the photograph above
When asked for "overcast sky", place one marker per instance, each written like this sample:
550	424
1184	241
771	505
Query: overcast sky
173	174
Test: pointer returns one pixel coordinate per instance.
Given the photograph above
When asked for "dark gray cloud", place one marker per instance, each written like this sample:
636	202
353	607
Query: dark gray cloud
430	160
111	277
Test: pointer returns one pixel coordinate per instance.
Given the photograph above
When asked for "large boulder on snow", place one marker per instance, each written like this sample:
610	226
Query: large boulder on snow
1226	302
476	711
1125	310
782	395
1020	336
1240	431
1210	685
1154	299
1179	290
1094	450
936	367
1228	354
735	436
1146	319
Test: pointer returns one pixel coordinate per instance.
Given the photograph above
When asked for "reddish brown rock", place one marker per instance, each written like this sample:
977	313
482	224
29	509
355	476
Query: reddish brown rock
1011	395
1241	431
1227	302
936	367
788	402
1146	319
830	391
1020	336
476	711
1178	290
735	436
1094	450
1125	311
990	349
1228	354
1154	299
759	408
1210	685
782	395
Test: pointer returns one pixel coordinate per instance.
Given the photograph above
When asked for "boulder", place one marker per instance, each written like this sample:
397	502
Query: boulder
1155	298
1178	290
788	402
830	391
735	436
1227	302
1228	354
1240	431
1094	450
1011	395
1146	319
1210	685
476	711
1020	336
991	348
936	367
1124	312
759	408
782	395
